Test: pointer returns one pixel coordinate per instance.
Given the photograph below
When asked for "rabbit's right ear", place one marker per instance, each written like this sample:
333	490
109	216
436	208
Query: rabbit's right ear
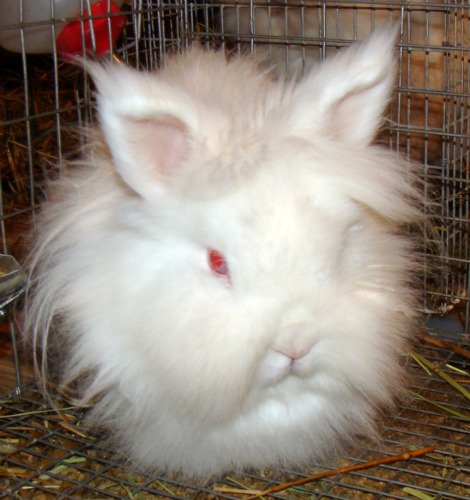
143	124
344	97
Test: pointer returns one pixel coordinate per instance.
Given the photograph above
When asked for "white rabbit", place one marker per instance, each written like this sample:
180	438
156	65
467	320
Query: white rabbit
289	36
227	281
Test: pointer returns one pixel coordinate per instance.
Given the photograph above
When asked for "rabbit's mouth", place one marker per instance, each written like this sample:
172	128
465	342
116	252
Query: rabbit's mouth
278	366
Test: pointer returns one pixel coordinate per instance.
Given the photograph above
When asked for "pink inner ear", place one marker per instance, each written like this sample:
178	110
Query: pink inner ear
159	145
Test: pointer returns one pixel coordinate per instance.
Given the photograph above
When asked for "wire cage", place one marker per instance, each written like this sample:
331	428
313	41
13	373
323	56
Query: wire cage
44	453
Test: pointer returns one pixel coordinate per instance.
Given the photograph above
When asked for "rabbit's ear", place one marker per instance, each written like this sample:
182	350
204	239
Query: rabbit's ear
142	121
348	92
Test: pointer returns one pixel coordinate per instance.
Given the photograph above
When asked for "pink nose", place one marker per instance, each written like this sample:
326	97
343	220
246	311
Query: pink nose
295	351
296	342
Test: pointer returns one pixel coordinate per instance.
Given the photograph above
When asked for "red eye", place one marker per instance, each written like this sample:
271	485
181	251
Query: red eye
217	263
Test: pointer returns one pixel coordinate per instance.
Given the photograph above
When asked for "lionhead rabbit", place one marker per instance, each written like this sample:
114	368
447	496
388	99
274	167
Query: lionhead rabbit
224	278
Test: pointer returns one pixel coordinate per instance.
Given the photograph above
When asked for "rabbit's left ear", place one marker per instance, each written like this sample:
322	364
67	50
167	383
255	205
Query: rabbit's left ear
345	96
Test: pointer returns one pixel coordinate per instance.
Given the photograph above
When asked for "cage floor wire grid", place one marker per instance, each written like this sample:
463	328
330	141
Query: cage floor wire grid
45	454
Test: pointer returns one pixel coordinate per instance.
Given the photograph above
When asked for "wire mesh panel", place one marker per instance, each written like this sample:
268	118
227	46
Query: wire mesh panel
45	103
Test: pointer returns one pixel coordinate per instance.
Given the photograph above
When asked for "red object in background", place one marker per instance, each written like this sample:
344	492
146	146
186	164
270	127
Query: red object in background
70	43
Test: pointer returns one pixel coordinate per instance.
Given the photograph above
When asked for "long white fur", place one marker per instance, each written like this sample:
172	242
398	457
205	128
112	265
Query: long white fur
187	372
